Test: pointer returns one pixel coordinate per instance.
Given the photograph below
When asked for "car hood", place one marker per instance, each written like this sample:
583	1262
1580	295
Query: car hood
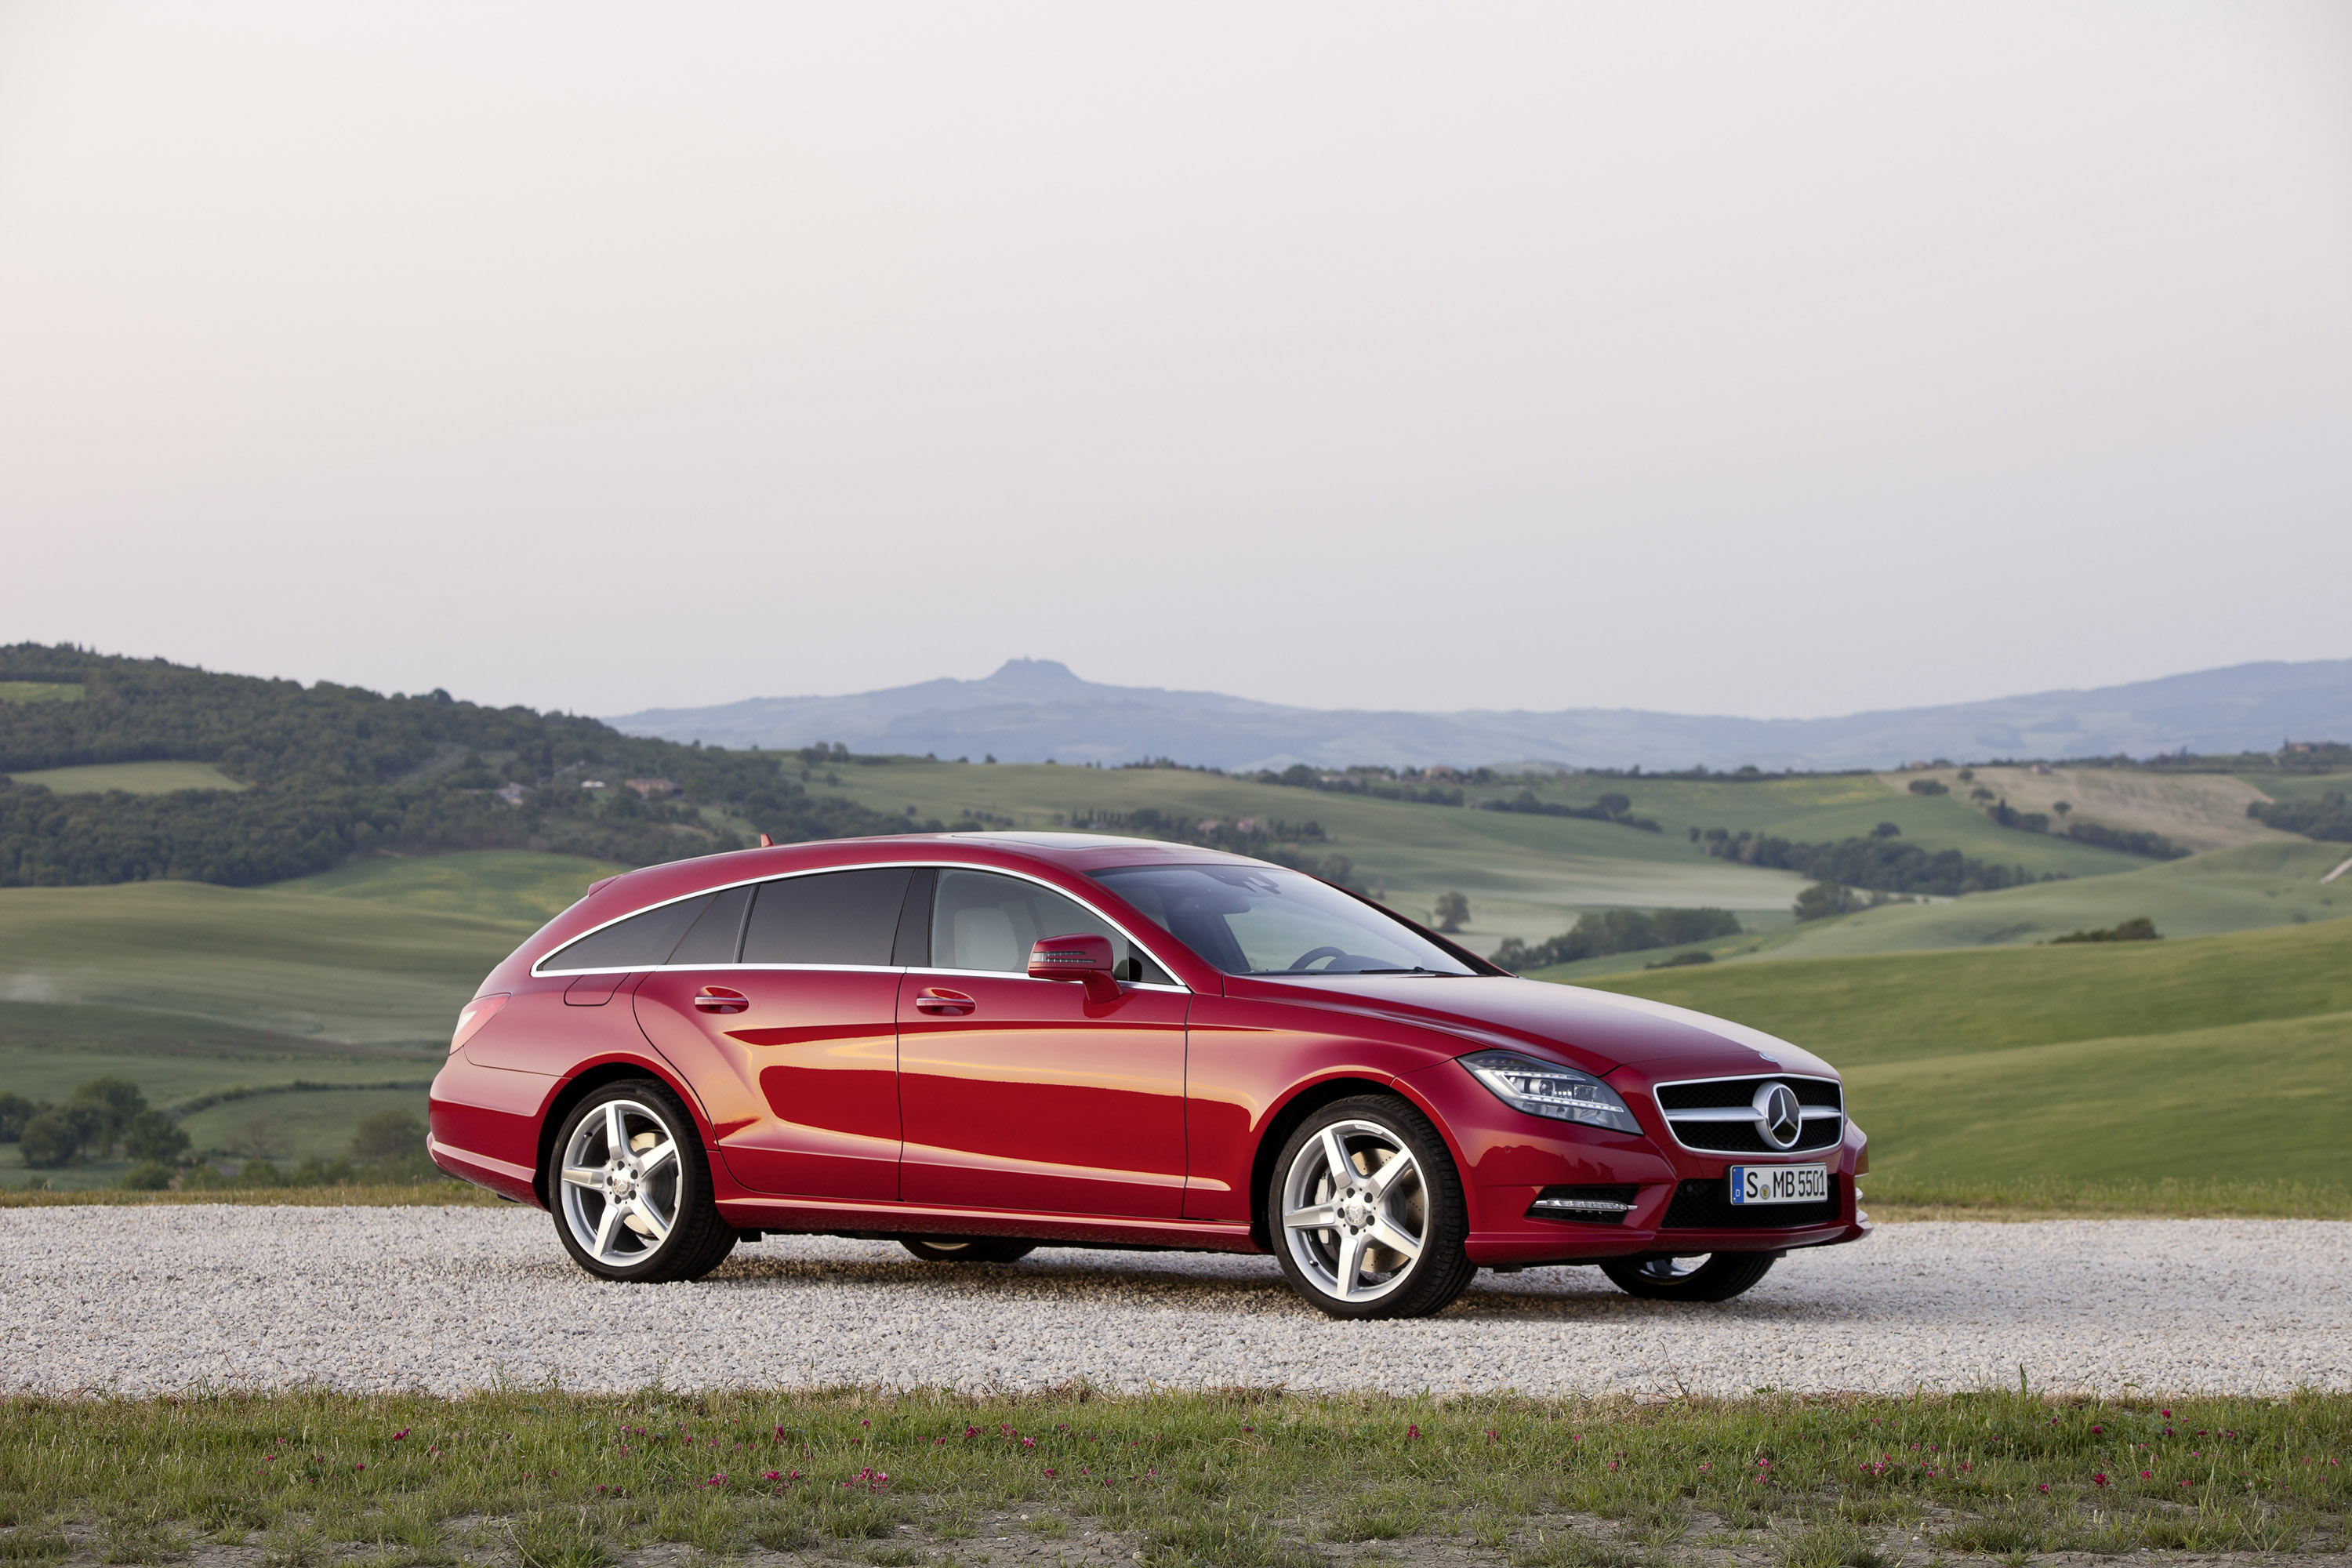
1603	1029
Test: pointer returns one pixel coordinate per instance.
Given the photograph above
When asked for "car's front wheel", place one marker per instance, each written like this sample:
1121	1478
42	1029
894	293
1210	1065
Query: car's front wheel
631	1187
1708	1276
1366	1213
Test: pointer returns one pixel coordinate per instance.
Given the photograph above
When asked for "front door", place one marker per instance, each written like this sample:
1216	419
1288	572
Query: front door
789	1027
1021	1094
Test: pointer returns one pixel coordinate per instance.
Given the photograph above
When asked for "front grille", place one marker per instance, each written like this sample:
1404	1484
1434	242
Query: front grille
1586	1205
1821	1100
1706	1205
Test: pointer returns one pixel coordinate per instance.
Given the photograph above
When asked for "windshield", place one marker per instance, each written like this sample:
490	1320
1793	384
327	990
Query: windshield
1256	919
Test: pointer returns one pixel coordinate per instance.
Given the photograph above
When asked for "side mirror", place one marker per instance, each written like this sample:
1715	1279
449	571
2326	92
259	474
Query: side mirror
1085	959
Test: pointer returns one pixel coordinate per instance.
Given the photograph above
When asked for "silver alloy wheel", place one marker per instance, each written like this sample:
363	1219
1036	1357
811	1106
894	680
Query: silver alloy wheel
1355	1211
622	1183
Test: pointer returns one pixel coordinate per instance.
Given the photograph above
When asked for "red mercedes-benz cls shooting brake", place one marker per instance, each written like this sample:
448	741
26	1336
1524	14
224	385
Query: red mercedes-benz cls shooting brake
976	1044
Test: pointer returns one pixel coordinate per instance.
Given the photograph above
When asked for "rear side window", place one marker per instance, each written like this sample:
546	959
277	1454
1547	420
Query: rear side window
717	932
638	943
836	918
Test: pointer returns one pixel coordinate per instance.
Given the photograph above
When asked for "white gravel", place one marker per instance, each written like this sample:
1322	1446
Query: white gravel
143	1300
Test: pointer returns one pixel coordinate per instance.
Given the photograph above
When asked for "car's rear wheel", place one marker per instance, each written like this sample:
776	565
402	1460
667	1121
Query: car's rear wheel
967	1249
631	1187
1707	1277
1367	1213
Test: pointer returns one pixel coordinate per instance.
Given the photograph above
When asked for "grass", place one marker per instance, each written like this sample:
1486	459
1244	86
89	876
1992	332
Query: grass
1904	1007
133	778
304	964
2259	885
2175	1077
498	884
291	1127
2298	786
40	691
2197	811
1236	1479
1824	807
406	1194
47	1047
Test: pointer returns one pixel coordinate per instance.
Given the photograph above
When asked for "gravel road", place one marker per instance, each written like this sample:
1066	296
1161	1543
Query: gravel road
144	1300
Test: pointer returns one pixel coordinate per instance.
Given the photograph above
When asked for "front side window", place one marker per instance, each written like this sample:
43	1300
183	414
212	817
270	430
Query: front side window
984	921
1258	920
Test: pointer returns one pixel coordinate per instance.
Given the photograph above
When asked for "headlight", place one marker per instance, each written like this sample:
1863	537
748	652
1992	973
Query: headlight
1543	1089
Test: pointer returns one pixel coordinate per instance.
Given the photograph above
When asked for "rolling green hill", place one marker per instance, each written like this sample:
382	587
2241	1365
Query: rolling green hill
187	989
132	778
305	965
2199	1063
1821	807
2272	884
495	884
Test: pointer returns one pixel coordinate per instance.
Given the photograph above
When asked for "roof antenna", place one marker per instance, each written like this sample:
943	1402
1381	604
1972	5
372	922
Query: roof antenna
766	842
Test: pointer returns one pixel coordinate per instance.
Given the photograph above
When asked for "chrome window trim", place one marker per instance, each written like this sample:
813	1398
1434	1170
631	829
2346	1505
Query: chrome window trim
1741	1113
540	970
1177	988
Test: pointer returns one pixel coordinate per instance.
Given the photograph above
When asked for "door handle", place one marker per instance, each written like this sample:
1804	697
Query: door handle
719	999
944	1004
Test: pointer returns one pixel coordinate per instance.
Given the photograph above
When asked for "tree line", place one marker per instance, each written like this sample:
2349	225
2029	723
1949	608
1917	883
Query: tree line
2327	816
335	772
1881	862
1600	932
108	1116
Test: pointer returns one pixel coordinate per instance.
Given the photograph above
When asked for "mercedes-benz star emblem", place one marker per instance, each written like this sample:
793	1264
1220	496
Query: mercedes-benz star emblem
1777	1117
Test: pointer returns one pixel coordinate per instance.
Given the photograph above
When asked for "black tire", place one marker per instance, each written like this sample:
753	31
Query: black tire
676	1187
1716	1276
1422	1202
967	1249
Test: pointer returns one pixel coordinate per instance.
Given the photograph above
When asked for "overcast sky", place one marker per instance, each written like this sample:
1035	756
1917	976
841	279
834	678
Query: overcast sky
1759	359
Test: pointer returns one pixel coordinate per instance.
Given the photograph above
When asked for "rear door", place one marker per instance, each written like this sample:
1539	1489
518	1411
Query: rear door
788	1016
1021	1094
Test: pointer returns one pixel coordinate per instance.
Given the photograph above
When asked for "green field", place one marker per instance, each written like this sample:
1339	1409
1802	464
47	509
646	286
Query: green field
495	884
1819	809
292	1127
2202	1063
295	963
2272	884
133	778
40	691
1245	1477
46	1047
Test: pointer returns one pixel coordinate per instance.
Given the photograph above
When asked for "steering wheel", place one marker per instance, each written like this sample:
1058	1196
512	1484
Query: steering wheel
1311	954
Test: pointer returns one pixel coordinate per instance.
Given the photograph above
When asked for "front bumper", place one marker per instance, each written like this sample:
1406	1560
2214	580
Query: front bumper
1509	1158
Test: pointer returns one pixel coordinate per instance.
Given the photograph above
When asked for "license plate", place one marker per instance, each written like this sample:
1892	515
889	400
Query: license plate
1779	1183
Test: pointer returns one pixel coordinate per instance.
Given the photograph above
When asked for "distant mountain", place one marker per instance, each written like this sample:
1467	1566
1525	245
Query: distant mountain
1033	709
